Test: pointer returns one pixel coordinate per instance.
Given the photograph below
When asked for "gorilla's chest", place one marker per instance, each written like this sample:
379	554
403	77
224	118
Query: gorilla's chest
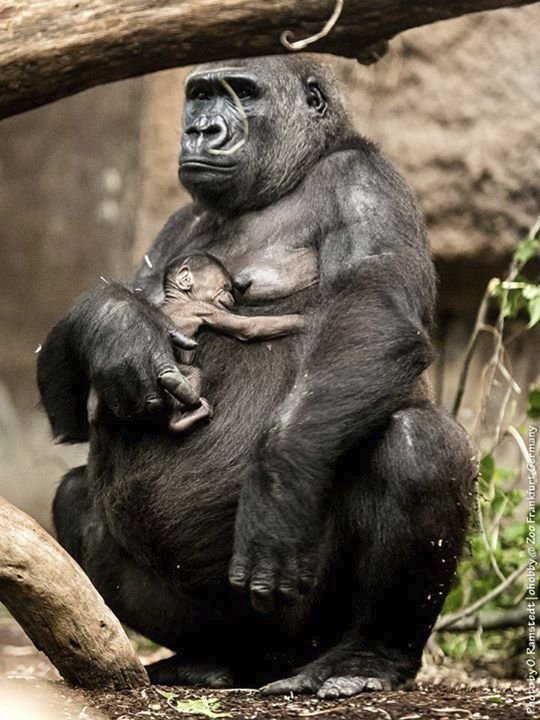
271	252
274	272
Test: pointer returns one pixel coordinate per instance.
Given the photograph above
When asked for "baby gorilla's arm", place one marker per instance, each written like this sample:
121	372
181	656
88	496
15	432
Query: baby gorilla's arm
258	327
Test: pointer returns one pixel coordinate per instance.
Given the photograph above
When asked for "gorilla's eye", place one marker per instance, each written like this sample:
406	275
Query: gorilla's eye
198	93
243	93
243	89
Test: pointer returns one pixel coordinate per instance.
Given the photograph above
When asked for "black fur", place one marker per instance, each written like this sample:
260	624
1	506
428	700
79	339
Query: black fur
327	483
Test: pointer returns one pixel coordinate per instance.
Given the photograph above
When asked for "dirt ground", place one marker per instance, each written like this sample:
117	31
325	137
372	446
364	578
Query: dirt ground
30	689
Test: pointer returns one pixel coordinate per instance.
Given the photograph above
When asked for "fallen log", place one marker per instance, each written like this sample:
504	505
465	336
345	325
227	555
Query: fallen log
60	610
52	49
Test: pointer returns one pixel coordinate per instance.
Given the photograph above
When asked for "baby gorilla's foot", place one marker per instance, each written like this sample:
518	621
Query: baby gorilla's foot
181	420
177	671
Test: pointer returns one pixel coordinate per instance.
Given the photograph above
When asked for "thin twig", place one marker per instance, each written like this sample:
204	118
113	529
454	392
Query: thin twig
520	443
487	544
479	325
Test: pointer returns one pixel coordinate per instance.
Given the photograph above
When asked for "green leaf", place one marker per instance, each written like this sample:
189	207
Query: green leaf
514	532
208	707
487	467
167	695
527	249
533	407
533	306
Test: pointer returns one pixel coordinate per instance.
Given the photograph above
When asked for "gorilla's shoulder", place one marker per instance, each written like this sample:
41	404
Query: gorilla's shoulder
358	167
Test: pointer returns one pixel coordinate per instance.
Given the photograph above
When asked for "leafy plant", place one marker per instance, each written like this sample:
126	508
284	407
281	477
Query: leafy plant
207	706
492	574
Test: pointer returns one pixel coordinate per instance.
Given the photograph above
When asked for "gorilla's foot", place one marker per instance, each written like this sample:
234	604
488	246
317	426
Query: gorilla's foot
332	687
177	671
343	674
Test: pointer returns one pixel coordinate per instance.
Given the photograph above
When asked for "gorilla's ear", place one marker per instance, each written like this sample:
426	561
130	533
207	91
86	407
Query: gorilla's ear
315	96
184	278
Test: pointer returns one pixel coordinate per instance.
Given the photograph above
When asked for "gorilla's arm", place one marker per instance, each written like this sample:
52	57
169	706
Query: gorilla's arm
366	348
117	340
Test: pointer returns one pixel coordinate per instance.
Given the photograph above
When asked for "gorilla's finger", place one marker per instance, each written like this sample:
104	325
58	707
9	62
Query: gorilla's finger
179	387
306	583
307	578
263	585
238	574
153	404
263	601
181	341
288	585
289	591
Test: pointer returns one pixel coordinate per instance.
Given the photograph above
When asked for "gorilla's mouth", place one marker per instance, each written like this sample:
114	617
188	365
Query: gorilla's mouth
202	164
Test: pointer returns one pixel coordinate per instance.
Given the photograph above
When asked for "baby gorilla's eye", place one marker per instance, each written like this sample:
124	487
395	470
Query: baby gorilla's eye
243	93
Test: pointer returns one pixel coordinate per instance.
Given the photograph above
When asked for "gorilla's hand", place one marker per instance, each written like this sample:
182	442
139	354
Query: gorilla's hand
276	548
127	348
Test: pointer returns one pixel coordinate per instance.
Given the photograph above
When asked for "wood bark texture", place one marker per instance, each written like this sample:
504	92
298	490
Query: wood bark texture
53	48
60	610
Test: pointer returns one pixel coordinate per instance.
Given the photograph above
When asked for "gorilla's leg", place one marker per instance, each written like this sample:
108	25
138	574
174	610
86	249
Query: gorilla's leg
407	521
70	511
139	598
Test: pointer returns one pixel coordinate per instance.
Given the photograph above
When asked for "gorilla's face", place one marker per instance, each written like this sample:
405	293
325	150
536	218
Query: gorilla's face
253	129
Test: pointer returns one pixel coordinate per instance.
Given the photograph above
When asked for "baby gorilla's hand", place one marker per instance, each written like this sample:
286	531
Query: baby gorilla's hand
190	316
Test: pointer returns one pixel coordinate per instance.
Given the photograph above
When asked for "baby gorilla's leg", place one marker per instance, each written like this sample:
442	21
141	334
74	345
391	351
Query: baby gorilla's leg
182	419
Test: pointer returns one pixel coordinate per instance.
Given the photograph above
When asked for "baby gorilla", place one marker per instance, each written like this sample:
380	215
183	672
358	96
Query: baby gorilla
199	294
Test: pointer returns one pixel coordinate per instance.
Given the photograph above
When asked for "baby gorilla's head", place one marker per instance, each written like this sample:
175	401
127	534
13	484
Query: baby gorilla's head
199	276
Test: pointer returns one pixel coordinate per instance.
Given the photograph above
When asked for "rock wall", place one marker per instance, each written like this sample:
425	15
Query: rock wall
68	182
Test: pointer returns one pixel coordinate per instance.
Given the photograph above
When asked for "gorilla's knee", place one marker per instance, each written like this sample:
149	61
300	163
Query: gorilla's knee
69	511
430	463
427	437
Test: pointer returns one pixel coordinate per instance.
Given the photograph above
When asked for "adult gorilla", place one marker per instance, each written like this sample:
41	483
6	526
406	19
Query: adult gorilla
339	491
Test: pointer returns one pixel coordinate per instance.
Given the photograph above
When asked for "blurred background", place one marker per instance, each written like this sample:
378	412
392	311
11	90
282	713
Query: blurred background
86	184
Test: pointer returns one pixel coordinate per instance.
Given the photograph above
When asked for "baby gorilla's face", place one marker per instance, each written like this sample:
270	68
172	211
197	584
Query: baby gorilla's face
211	285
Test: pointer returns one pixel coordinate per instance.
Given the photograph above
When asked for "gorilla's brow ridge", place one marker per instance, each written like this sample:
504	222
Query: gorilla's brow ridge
225	68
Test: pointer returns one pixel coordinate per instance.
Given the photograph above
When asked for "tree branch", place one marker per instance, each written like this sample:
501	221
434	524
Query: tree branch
52	49
62	613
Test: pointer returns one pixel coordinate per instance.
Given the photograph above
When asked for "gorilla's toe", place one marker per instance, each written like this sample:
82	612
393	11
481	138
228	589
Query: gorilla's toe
297	684
336	687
